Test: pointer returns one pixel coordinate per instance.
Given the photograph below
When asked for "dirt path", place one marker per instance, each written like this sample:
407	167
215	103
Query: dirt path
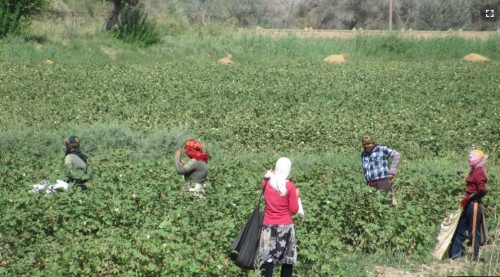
459	267
437	269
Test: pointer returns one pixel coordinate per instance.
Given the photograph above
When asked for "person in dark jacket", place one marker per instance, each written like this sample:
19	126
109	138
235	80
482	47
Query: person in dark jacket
76	168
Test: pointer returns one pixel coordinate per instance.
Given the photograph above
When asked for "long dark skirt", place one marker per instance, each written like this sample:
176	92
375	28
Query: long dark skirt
277	243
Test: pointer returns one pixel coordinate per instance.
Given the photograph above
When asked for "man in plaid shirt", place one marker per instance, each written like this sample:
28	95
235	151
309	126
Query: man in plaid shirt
375	161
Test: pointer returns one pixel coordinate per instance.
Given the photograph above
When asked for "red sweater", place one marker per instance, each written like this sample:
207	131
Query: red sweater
476	186
278	208
476	181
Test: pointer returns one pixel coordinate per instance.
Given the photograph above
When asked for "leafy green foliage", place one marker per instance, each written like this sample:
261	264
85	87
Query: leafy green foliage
15	15
135	27
137	218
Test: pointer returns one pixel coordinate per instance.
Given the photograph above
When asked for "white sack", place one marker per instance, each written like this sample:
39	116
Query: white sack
448	227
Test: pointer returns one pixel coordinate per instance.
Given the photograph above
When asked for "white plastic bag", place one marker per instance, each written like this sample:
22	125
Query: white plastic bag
60	184
301	209
43	185
49	188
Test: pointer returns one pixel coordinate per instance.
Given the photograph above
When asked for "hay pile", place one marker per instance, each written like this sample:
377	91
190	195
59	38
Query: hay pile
473	57
336	58
226	61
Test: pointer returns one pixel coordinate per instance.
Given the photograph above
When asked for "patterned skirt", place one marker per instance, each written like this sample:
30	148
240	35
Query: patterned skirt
277	242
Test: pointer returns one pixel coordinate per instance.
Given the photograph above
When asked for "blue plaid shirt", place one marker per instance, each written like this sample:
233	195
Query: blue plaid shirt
376	163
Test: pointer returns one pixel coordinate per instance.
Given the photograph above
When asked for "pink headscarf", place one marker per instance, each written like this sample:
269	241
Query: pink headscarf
477	159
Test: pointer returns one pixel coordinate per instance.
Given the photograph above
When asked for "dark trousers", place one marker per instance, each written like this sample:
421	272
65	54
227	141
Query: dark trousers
465	224
267	269
79	183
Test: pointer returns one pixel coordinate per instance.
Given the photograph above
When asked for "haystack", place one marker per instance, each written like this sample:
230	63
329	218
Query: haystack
225	61
336	58
47	61
473	57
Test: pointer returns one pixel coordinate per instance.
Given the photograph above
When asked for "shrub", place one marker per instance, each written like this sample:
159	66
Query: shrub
135	27
164	142
15	15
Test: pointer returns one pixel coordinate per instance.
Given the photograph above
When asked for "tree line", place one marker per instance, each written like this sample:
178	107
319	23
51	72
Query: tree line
340	14
317	14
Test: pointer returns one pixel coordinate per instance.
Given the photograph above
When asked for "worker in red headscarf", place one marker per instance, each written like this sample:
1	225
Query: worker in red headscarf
196	169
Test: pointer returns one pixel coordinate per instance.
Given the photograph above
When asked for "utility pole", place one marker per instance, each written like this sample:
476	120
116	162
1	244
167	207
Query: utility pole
390	15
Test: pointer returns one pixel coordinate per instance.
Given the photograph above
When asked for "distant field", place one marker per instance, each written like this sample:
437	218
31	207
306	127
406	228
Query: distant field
349	34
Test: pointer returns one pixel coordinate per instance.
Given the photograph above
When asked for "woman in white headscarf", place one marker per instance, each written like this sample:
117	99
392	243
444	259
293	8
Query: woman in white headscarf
277	242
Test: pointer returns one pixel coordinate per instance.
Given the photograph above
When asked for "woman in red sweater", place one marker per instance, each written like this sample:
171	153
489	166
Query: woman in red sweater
277	242
471	218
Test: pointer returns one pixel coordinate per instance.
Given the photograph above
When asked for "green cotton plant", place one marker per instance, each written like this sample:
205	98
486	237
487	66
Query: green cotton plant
136	219
164	143
103	136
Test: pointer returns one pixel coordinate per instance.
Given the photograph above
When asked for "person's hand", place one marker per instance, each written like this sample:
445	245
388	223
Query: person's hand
178	153
465	201
269	173
297	191
391	176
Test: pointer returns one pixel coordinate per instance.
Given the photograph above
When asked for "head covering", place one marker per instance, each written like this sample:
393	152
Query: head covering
477	159
73	142
280	177
194	150
73	147
368	142
367	139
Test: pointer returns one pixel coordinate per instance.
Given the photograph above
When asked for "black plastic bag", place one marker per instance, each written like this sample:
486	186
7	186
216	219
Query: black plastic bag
244	249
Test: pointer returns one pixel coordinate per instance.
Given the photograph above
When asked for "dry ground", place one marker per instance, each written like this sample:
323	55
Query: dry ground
459	267
347	34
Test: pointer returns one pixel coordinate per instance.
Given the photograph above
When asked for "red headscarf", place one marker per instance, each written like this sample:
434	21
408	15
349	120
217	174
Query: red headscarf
194	150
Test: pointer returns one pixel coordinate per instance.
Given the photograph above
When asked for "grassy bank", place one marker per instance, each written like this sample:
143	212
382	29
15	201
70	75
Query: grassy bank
208	44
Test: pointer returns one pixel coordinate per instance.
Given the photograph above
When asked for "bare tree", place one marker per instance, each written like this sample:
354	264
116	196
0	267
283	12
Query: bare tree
118	6
288	6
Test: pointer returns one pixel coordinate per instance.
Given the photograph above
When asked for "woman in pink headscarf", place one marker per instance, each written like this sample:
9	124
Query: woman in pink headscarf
471	218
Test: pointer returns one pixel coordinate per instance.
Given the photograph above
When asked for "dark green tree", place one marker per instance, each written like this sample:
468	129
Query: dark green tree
477	13
443	15
15	15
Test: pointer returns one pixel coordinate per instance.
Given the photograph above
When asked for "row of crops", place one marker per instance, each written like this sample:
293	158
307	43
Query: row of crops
136	218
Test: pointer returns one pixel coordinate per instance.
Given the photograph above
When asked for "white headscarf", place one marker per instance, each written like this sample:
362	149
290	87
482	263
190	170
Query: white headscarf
279	178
